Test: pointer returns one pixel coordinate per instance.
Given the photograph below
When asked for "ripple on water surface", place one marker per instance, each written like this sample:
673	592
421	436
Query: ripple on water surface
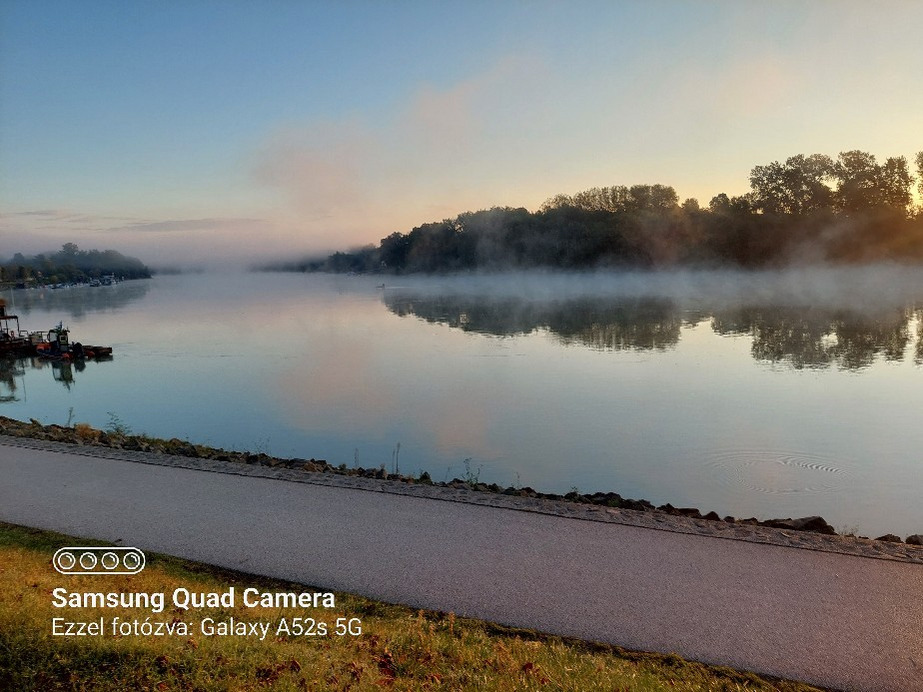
777	471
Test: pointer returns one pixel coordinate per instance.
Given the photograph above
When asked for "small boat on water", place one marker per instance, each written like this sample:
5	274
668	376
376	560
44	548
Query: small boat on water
54	344
12	339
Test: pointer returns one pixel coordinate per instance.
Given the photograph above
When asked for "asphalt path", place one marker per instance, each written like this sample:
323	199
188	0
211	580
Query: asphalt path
834	620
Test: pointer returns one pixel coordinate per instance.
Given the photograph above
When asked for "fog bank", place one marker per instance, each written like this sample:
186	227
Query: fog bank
857	288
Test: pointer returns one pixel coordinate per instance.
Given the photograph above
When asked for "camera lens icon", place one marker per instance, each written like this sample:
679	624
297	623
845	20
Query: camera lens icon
98	560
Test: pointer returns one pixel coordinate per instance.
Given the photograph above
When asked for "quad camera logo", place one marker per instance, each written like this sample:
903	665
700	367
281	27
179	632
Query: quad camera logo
98	560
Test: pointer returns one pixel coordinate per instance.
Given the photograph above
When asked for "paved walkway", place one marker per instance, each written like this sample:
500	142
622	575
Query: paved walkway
831	619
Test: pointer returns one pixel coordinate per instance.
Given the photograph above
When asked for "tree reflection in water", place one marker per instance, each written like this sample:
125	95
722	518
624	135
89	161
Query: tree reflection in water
10	369
800	337
641	323
918	351
61	371
78	301
813	338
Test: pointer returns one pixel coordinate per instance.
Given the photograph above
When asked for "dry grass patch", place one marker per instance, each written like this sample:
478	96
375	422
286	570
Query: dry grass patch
86	432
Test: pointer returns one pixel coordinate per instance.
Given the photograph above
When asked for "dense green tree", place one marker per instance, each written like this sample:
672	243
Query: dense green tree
919	161
658	198
799	186
896	182
442	246
618	198
691	206
864	184
393	251
857	173
719	203
556	202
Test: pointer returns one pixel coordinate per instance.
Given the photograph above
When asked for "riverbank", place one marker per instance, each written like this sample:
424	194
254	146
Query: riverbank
808	532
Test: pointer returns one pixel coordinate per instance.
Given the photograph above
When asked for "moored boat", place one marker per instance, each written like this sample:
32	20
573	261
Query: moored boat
12	339
56	345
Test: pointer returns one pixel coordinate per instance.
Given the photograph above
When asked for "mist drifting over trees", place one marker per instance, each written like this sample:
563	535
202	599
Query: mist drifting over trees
69	264
805	210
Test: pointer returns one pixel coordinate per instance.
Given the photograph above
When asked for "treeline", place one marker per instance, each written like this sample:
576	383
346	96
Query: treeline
70	264
807	209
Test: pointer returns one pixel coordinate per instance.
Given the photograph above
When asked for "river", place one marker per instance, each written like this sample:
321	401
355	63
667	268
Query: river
772	394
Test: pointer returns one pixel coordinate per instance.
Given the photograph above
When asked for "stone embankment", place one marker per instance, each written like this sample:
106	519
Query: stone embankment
600	506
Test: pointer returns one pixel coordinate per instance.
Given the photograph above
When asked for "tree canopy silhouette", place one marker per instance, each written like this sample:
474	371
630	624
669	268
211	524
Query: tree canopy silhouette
70	264
808	209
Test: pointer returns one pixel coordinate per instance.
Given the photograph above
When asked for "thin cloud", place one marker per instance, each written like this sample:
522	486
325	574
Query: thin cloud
41	212
64	216
158	242
322	168
357	180
184	225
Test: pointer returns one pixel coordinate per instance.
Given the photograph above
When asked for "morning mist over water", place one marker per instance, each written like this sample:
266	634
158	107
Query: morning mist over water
772	394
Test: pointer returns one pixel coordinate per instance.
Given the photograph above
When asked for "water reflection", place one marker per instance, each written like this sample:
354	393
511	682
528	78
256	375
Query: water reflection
640	323
76	301
13	370
800	337
918	350
10	369
805	338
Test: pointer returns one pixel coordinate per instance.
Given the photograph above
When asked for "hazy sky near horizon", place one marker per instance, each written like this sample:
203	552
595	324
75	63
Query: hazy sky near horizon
180	131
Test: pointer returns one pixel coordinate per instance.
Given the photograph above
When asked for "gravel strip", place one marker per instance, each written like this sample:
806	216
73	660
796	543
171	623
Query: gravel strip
862	547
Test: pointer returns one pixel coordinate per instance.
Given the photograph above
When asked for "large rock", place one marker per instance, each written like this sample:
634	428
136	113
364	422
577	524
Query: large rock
135	445
889	538
815	524
638	505
607	499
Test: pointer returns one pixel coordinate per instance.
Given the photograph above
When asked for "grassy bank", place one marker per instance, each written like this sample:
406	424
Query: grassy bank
398	648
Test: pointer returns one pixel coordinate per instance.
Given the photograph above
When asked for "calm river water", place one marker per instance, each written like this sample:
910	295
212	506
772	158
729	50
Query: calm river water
770	394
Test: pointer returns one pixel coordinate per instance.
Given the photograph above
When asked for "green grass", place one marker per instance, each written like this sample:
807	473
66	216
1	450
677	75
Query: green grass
399	648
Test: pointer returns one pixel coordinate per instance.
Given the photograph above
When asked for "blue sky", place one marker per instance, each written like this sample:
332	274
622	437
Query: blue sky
183	130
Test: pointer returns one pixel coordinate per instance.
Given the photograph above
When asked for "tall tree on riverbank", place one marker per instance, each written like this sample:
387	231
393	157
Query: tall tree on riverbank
920	178
799	186
864	184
